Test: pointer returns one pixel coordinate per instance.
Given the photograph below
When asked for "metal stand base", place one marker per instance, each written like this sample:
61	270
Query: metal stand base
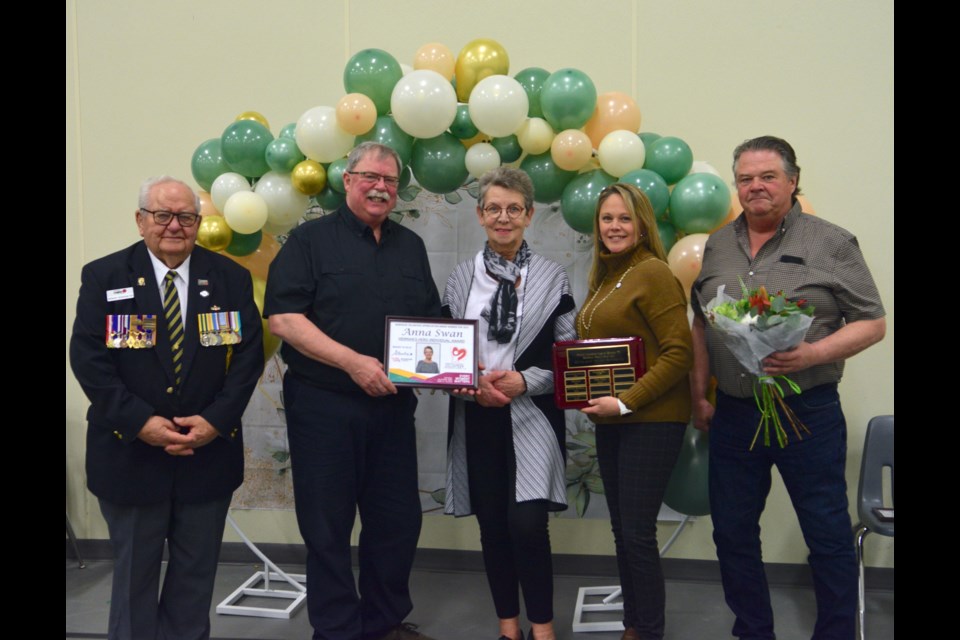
612	602
297	596
73	541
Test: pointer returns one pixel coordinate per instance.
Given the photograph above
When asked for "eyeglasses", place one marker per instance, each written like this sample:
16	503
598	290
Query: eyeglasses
370	176
166	217
513	211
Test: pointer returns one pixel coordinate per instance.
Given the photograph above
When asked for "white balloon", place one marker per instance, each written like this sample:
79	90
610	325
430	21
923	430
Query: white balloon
424	103
285	204
699	166
225	186
319	136
245	212
481	157
535	136
621	152
498	105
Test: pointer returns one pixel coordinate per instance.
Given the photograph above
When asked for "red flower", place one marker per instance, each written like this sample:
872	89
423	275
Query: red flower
760	300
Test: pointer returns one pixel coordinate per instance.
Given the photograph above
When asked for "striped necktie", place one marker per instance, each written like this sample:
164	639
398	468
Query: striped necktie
171	312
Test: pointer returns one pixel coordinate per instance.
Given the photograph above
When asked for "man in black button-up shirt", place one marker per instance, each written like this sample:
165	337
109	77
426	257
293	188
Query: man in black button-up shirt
351	432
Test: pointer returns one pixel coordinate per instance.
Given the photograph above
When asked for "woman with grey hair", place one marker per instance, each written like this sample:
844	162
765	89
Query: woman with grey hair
506	453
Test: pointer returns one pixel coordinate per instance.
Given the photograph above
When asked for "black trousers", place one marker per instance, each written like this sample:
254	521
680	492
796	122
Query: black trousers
636	461
514	536
350	452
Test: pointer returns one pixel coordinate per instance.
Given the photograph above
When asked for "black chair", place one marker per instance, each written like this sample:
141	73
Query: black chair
877	454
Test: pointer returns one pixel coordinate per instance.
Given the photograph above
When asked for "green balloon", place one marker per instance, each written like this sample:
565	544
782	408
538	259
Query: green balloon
653	185
283	155
532	79
668	235
699	203
387	131
548	179
373	72
579	200
648	137
244	145
670	157
329	199
508	147
289	131
687	491
568	99
439	163
207	163
463	126
405	176
335	174
243	244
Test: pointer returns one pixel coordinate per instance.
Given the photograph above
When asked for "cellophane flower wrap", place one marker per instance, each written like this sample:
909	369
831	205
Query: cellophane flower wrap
753	327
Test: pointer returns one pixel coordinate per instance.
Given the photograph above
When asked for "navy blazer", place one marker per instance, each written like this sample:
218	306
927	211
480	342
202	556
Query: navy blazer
127	386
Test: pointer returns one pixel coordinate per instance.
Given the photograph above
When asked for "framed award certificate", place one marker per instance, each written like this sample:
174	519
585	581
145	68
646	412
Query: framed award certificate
587	369
431	352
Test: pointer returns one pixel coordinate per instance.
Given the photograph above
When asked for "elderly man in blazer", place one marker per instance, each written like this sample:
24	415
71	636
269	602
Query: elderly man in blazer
167	345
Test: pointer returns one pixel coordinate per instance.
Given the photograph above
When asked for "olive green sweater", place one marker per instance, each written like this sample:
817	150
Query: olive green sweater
650	304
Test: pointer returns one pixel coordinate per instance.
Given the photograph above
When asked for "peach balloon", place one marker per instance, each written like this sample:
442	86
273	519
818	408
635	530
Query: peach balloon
571	149
805	205
258	262
435	57
356	113
207	207
271	343
614	110
686	258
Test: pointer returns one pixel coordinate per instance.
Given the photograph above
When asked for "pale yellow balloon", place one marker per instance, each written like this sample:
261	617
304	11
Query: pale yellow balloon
535	136
253	115
479	59
356	113
435	57
621	152
214	233
309	177
571	149
245	212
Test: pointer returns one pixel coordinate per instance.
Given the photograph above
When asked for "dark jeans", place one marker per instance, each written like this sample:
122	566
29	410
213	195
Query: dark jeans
636	461
513	535
351	452
813	472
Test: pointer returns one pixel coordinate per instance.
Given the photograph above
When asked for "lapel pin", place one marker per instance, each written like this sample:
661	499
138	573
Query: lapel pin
141	281
203	282
204	293
214	307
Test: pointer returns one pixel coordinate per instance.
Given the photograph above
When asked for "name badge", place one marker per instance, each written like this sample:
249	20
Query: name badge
131	332
220	328
119	294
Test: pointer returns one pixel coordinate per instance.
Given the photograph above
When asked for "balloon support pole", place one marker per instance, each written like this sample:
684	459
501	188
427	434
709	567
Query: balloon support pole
297	595
606	600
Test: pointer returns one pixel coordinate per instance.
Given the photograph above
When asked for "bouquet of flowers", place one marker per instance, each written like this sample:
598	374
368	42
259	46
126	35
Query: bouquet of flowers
753	327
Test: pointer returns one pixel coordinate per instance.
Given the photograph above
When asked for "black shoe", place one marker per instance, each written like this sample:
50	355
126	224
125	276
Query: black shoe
521	636
404	631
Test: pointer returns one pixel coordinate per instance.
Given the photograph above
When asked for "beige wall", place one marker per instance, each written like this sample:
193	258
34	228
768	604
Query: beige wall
146	82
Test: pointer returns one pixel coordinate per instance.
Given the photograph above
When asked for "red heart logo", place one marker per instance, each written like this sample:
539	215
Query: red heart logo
459	353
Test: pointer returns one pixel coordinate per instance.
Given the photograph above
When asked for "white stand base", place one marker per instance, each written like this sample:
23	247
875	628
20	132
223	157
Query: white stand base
297	596
609	604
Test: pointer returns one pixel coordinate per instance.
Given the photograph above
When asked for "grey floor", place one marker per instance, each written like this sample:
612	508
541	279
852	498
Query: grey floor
455	605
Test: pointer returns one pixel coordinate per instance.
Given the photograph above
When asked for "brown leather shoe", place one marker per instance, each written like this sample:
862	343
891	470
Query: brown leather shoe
404	631
630	634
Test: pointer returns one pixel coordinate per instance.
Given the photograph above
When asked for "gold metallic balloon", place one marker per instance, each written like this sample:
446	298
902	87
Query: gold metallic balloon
271	343
214	233
309	177
253	115
480	59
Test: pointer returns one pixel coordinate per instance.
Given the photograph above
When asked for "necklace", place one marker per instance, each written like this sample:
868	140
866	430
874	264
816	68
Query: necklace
586	324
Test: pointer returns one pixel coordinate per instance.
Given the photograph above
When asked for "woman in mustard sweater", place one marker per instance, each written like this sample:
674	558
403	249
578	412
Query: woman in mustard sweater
640	431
